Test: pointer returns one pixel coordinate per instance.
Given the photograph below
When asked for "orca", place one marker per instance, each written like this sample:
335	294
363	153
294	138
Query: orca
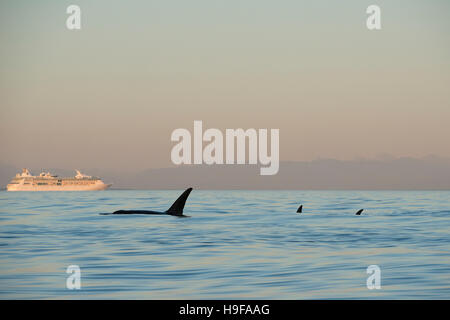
175	210
359	212
299	210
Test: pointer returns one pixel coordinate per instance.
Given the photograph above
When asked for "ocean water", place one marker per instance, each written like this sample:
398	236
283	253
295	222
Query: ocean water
236	244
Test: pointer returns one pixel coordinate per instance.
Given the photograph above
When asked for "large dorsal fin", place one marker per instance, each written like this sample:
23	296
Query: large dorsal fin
177	207
300	209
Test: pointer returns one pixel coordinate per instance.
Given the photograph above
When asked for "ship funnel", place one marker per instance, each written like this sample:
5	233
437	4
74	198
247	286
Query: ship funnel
80	175
25	173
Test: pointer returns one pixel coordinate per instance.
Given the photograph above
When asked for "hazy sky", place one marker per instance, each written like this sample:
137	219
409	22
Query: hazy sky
110	94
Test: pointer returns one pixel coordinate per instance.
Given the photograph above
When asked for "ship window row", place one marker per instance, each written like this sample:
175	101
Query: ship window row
59	183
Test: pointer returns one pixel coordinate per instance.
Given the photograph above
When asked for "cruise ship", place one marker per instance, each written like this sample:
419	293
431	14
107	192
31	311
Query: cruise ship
25	181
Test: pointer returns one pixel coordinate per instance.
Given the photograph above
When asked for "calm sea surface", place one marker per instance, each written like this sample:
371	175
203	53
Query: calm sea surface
237	244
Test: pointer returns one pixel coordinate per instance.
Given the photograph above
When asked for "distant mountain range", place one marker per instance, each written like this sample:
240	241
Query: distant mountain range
428	173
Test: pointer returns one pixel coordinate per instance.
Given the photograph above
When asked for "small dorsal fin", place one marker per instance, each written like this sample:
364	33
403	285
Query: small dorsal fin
359	212
299	210
177	207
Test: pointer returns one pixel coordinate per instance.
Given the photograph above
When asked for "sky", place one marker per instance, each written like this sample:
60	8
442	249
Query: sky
110	95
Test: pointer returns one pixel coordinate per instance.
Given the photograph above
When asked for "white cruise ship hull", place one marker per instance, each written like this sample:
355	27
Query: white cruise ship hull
92	187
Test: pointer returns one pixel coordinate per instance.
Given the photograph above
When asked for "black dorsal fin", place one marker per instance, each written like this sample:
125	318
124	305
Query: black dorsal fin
359	212
299	210
177	207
